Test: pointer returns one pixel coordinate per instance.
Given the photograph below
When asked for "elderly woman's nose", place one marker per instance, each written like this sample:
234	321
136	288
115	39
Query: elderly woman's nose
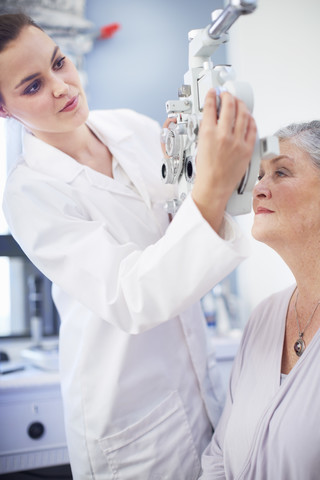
261	189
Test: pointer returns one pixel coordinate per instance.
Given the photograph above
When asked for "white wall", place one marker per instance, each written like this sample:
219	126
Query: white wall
276	49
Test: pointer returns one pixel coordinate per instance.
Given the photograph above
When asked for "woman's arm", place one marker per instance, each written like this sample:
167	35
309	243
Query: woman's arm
135	286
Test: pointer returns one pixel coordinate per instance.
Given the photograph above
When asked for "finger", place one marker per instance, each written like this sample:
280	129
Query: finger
210	107
242	119
251	134
169	120
228	111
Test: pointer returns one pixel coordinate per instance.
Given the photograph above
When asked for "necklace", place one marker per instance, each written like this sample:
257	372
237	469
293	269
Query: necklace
300	346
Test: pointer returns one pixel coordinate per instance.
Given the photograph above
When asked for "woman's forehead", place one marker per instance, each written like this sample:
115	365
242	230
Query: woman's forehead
30	51
29	36
291	156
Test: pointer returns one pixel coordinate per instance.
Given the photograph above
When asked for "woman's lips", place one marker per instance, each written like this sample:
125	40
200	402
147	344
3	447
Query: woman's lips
71	104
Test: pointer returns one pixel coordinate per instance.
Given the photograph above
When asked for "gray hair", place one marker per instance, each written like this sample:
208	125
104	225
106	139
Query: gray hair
305	136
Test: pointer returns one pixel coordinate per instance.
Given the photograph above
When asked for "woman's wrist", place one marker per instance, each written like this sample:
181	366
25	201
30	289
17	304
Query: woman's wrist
211	207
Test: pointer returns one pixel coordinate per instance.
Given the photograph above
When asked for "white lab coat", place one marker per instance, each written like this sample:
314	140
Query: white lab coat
137	397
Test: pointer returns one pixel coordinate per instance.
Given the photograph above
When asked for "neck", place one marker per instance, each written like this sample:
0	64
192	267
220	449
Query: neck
303	259
82	145
305	267
72	143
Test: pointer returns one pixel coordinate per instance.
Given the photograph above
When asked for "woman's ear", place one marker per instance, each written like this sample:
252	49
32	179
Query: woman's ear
3	112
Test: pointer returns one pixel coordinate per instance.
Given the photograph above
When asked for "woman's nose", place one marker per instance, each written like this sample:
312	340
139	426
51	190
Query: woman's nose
59	88
261	189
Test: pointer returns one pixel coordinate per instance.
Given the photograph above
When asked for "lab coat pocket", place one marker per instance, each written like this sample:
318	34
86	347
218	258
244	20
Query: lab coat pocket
159	446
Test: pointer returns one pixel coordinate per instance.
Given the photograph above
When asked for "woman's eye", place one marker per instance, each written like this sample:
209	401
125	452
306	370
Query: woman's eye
280	173
59	64
34	87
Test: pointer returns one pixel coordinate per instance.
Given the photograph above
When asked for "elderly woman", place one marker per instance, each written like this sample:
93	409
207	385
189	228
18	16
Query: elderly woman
86	203
270	425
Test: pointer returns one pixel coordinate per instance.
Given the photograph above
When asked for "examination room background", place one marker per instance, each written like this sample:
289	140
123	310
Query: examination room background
275	49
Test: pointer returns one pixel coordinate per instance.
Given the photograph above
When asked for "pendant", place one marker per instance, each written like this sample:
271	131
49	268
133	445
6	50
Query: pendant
299	347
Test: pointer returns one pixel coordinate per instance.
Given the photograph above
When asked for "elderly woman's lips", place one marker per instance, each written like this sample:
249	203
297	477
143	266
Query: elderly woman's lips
263	210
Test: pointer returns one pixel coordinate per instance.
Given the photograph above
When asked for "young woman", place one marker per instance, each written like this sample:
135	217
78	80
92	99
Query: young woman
269	427
86	204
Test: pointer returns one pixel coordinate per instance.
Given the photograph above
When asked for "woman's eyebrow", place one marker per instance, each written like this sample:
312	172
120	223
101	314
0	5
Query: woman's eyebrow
281	157
275	160
27	79
56	48
34	75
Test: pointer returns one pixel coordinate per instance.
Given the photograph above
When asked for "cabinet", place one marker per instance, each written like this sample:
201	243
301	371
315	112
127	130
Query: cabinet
31	421
32	433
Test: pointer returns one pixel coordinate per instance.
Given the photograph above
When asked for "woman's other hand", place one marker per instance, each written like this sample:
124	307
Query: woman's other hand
165	126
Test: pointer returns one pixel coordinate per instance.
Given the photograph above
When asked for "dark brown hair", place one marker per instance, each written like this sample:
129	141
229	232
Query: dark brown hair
11	25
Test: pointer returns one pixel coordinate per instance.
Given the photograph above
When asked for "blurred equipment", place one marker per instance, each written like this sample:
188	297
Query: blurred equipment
181	137
65	22
39	354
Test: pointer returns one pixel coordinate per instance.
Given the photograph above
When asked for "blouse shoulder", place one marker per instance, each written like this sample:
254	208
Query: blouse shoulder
268	310
275	299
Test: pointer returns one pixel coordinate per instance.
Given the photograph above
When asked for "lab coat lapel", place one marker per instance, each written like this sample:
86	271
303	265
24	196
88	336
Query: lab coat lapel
102	181
123	146
51	161
127	158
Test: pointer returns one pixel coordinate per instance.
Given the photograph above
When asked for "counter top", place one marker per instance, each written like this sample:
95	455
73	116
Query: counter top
28	377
